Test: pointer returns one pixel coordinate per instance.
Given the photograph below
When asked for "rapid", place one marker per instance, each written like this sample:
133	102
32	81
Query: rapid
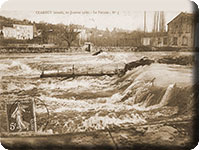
144	95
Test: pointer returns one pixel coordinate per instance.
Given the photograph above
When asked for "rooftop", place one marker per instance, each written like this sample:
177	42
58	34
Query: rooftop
189	15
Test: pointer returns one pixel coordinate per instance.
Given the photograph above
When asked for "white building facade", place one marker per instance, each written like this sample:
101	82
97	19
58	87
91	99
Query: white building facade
20	32
9	32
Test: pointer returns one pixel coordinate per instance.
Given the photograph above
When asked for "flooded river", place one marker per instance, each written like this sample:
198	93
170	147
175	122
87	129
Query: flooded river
144	95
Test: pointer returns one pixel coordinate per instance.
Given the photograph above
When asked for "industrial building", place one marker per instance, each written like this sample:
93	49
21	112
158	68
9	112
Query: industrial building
181	33
181	30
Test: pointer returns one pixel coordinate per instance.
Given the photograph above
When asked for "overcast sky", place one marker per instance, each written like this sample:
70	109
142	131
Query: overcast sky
125	14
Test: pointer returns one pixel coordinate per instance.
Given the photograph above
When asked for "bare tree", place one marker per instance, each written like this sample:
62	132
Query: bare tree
69	34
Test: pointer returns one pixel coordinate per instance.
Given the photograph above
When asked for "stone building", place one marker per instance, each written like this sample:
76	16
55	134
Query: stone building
159	39
19	32
181	30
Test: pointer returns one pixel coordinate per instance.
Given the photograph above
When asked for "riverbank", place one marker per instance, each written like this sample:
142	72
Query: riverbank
6	49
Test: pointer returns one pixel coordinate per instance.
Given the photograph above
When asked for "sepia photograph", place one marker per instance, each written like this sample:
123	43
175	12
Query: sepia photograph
99	74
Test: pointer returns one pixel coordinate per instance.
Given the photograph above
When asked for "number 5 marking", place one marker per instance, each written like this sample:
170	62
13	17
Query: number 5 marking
12	126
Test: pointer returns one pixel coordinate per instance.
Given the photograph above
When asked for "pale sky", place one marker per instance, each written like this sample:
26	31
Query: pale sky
125	14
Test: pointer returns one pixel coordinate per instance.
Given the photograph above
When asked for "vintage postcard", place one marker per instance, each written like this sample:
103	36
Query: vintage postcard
99	74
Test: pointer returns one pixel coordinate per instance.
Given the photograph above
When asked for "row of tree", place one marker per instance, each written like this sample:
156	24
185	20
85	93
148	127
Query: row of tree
116	39
57	34
63	35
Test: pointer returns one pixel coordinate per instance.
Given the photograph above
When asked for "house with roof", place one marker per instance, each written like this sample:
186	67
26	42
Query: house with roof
181	30
180	34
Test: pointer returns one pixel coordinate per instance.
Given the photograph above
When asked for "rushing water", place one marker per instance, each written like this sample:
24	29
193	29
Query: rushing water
92	103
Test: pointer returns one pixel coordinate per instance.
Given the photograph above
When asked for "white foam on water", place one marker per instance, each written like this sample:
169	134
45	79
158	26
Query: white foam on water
4	66
16	68
114	98
114	110
164	101
79	84
164	75
108	57
166	97
13	86
61	105
98	122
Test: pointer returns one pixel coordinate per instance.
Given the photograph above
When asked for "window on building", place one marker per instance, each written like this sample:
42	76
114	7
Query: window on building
188	28
172	30
175	41
159	41
184	41
186	19
165	41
